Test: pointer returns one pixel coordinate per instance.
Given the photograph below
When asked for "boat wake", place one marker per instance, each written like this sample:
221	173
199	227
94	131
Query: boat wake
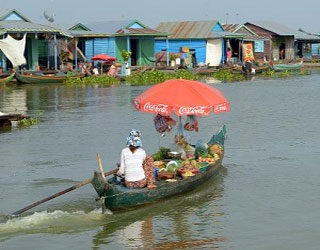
57	221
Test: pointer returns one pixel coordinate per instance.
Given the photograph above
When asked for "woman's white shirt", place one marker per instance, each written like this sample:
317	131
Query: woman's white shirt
131	164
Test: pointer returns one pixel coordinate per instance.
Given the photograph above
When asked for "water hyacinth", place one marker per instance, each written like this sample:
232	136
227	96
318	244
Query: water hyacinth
158	76
93	80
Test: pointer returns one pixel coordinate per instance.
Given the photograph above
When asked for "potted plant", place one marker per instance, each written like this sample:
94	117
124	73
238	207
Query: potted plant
172	58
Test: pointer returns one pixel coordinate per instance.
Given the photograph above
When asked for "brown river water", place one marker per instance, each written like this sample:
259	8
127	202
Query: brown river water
265	196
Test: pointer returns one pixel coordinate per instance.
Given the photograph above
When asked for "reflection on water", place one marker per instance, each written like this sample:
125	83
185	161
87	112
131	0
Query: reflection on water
169	224
14	101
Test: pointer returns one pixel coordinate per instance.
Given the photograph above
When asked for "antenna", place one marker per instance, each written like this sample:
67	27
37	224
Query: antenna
49	16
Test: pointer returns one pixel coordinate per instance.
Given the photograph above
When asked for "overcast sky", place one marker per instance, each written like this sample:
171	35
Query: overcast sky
295	14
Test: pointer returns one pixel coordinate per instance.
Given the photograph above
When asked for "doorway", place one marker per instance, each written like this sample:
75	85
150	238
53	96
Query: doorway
134	46
282	51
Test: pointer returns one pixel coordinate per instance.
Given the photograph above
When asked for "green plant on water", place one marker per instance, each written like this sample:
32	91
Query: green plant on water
104	80
157	76
228	76
304	72
268	73
27	122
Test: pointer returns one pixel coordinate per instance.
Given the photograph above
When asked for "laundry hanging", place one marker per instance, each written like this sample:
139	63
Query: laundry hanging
14	49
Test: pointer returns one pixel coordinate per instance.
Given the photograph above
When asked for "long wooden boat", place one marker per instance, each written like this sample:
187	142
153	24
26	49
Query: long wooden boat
119	197
7	79
32	78
287	66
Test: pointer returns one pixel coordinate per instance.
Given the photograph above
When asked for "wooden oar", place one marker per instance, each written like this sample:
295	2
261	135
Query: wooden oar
61	193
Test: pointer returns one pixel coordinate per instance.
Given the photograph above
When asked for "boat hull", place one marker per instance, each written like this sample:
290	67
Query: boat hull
22	78
119	197
8	78
287	67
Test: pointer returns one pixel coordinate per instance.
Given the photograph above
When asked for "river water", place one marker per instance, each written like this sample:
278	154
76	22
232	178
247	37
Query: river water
265	196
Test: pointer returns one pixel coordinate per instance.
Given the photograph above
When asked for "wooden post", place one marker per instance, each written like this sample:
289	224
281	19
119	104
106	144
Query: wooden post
76	53
167	51
55	52
100	166
128	49
140	52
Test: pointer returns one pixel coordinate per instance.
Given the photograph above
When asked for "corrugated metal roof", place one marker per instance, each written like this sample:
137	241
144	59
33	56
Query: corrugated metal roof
188	29
274	27
21	26
195	30
231	27
234	28
299	35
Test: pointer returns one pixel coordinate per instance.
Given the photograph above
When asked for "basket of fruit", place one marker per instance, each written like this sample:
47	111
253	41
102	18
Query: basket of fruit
187	174
163	175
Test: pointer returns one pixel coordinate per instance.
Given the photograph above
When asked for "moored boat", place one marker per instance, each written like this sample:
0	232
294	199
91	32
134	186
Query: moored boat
33	78
115	196
7	79
287	66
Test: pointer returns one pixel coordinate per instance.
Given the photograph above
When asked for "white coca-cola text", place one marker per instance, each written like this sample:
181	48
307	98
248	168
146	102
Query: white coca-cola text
196	110
158	108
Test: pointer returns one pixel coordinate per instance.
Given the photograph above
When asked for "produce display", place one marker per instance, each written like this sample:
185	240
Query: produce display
187	167
161	154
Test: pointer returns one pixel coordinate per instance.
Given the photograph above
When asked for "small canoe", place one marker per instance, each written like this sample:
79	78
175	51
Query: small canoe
32	78
7	78
287	66
119	197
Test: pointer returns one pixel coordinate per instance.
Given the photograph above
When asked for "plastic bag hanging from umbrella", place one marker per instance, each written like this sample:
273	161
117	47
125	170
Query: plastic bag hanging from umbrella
104	58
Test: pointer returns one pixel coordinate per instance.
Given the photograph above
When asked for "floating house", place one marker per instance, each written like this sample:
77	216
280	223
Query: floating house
205	40
284	42
112	37
38	40
259	43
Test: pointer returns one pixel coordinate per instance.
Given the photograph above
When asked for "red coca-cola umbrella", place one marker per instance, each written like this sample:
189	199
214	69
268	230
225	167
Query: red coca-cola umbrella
183	97
103	57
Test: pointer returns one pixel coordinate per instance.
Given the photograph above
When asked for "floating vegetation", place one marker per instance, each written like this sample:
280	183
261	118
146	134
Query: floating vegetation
228	76
27	122
93	80
157	76
285	73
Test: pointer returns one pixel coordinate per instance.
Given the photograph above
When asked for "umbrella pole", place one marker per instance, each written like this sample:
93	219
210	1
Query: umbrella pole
180	130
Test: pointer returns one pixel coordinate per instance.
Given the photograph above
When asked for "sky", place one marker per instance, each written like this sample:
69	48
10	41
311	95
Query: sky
294	14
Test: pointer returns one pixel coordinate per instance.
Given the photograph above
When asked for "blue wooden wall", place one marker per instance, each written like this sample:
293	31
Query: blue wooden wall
174	46
100	46
315	49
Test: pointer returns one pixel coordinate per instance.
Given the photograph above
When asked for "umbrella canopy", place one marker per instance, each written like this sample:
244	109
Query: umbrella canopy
103	57
184	97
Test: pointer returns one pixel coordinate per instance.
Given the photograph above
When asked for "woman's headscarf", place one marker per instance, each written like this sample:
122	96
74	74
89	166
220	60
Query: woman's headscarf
134	138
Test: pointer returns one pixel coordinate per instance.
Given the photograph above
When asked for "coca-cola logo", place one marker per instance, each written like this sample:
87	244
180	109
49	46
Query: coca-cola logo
157	108
195	110
220	108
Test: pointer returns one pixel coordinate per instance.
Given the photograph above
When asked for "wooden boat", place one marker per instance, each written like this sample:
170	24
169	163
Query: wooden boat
7	79
33	78
118	197
6	120
287	66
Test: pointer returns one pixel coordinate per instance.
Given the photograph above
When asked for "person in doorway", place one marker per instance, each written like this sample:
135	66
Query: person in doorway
135	166
229	55
282	52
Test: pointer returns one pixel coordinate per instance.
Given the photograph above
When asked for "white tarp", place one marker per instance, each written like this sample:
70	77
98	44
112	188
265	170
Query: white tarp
14	50
214	52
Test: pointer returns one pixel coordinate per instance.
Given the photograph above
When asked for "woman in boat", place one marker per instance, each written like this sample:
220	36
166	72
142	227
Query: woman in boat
135	166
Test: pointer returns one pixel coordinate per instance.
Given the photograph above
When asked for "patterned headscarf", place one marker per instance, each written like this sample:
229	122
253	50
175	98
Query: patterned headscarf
134	138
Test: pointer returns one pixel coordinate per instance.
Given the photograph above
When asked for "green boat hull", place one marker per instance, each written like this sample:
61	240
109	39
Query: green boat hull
22	78
7	79
287	67
119	197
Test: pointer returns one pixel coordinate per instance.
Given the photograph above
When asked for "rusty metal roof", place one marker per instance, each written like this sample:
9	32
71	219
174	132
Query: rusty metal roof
188	29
